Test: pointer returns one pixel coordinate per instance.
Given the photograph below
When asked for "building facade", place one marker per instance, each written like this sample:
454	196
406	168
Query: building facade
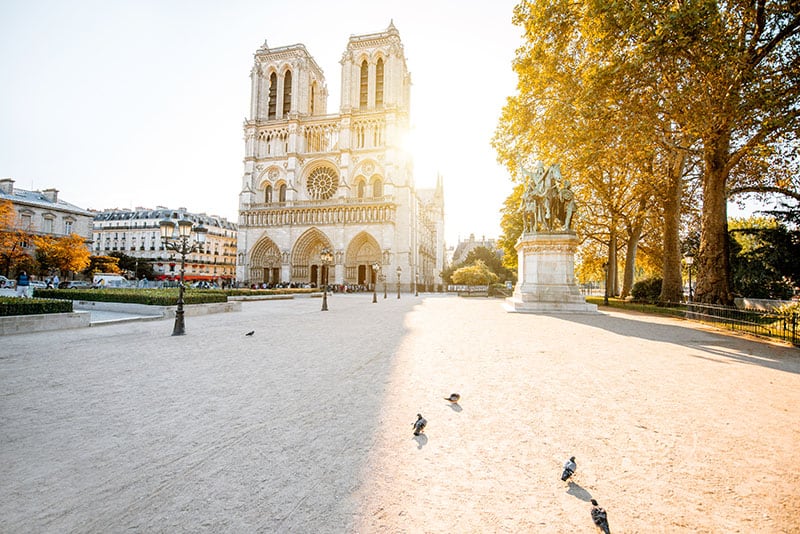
342	182
43	213
137	233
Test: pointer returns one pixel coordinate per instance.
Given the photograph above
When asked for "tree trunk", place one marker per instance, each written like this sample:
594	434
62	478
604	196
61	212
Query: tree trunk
714	269
632	245
672	282
613	287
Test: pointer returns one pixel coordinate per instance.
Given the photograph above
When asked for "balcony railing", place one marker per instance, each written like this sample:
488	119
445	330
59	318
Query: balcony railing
319	212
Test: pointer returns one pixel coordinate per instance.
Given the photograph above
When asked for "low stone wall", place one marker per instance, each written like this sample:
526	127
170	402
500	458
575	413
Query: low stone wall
120	307
23	324
193	310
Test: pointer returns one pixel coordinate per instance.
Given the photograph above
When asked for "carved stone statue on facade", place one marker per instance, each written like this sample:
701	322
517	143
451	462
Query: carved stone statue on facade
548	203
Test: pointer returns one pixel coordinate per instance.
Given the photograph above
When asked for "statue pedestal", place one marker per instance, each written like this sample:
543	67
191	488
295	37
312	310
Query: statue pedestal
546	266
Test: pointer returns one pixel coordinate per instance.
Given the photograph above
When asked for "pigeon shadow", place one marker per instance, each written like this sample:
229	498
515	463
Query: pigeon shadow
421	440
455	407
577	491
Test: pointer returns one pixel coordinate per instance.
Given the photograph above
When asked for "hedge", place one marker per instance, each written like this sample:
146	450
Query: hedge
240	292
21	306
151	297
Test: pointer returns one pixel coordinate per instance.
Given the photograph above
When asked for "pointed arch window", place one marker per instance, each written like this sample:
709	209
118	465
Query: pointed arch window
379	83
268	194
360	189
282	193
362	103
377	188
313	97
273	96
287	93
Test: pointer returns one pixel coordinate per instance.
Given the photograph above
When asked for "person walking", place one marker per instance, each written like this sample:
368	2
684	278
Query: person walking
23	283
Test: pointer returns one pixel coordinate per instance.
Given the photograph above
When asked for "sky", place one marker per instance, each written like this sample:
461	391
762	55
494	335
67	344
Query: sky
121	104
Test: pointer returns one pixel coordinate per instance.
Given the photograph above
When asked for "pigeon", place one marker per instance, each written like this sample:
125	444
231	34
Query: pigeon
569	468
599	517
419	425
454	398
250	333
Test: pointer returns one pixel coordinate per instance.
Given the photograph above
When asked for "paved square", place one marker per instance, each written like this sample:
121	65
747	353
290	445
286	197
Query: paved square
306	426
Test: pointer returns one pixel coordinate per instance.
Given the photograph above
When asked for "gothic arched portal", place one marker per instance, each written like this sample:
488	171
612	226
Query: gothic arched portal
306	262
265	262
362	253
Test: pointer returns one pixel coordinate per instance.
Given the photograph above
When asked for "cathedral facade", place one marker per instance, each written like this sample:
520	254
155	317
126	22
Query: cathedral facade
342	183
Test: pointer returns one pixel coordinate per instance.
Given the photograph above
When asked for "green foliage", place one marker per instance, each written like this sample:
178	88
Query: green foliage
132	265
763	257
647	290
20	306
489	259
151	297
477	274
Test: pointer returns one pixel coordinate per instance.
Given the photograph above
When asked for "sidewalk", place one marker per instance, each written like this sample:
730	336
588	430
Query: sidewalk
306	425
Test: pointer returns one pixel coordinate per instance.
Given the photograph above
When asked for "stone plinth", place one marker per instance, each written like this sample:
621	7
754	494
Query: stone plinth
546	266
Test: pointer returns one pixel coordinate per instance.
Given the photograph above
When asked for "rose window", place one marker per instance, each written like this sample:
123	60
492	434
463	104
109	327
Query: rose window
322	183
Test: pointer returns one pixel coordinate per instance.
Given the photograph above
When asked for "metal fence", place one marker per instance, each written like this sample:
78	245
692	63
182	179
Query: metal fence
771	324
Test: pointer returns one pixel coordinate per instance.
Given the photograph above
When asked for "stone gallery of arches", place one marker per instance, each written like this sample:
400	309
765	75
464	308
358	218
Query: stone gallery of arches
340	183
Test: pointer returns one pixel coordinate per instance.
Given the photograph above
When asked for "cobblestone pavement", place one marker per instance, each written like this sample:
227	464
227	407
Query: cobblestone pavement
306	425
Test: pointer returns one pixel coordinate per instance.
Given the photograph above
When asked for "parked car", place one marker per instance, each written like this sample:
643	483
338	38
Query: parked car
74	284
38	284
6	283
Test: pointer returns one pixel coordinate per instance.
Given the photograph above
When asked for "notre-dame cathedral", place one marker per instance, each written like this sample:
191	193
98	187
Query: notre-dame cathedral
340	183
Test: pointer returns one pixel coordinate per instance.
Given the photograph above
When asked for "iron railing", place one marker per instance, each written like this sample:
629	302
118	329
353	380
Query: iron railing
773	324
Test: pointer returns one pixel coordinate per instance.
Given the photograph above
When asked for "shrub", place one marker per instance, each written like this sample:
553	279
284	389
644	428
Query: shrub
151	297
20	306
647	290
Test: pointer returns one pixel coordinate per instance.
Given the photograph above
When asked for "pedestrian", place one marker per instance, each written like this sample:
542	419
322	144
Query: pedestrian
56	281
23	283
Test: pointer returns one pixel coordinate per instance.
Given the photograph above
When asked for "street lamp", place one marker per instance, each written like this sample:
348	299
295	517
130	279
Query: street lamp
689	262
605	295
176	237
375	268
416	284
326	257
399	271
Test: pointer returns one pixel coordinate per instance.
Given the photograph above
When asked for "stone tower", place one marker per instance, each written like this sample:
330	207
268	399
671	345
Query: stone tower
342	182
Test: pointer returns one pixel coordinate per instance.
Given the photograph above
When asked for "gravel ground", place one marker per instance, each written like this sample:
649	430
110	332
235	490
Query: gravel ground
306	426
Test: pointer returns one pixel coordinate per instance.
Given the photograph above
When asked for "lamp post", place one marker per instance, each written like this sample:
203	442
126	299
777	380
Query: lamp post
326	257
376	267
177	237
605	295
399	271
689	262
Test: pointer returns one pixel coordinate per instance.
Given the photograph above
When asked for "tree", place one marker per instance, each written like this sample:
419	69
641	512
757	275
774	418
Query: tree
64	254
764	258
624	92
102	264
477	274
13	241
134	266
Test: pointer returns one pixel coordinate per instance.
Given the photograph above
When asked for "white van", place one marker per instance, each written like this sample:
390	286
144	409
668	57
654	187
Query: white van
102	280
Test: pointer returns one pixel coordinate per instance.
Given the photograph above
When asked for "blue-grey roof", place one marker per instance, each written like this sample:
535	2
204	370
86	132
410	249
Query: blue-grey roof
164	213
37	198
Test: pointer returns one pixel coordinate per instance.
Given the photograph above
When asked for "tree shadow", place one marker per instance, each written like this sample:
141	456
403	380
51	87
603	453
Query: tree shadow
421	440
717	343
577	491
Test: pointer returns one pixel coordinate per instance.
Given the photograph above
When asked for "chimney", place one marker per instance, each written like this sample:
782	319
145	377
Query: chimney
51	195
7	186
